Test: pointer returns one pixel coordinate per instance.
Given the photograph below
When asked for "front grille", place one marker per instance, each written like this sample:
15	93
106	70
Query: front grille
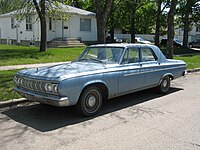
31	84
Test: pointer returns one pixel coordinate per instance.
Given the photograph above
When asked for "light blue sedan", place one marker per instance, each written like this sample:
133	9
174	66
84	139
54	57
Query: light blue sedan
102	72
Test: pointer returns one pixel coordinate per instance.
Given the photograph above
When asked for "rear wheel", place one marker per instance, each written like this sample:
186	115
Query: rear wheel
90	101
164	85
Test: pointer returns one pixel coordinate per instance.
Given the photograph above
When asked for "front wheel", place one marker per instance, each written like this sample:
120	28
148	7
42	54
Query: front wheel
90	101
164	85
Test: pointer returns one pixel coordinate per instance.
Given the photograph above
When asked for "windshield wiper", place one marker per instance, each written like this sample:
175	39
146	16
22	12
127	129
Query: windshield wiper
91	59
83	59
96	60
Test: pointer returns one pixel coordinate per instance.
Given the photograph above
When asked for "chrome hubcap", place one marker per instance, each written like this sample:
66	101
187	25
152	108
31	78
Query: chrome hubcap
91	101
165	83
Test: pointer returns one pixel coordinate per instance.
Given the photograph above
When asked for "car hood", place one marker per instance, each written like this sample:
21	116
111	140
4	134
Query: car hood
63	71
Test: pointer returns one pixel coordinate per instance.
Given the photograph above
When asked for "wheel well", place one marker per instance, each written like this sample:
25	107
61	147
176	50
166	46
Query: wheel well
171	77
101	86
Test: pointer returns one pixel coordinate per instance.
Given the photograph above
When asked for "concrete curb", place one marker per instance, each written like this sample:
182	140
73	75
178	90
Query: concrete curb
193	70
13	102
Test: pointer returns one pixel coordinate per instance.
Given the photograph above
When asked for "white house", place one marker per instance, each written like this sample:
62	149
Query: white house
193	34
80	24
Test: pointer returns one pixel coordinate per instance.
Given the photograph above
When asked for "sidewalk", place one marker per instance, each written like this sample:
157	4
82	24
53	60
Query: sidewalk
30	65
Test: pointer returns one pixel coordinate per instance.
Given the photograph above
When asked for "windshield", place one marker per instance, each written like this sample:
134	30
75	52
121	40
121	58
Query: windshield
107	55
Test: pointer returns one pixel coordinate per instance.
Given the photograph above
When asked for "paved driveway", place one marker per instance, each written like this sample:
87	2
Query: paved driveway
142	120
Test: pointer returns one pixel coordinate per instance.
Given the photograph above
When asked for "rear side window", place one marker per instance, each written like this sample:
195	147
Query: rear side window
148	55
131	56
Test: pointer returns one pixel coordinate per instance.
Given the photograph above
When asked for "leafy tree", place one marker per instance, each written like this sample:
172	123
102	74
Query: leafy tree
7	6
145	18
103	8
121	17
170	31
189	10
160	19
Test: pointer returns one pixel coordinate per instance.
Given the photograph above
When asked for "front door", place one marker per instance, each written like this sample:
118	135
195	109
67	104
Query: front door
59	28
66	28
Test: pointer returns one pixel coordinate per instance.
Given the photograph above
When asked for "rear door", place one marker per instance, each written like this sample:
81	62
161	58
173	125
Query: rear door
150	67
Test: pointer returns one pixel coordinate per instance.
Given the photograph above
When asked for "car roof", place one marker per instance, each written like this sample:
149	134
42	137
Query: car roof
121	45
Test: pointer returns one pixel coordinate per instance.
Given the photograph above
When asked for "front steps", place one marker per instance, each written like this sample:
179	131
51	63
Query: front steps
65	42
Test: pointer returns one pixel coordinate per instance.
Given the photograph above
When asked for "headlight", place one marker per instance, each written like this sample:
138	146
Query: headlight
49	87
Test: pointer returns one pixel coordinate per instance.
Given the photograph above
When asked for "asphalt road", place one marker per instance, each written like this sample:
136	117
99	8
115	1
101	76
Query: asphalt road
143	120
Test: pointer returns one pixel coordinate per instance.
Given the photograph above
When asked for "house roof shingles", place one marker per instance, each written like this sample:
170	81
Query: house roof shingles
64	8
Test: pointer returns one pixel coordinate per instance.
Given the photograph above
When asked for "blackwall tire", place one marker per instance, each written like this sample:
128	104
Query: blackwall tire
90	101
164	85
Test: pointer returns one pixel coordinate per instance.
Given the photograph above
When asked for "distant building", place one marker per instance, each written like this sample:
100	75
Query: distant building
193	34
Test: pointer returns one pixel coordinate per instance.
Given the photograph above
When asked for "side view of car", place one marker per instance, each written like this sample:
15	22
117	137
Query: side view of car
176	43
101	72
195	43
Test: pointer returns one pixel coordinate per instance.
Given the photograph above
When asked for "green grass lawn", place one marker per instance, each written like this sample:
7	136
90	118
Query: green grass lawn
15	55
180	51
192	61
7	85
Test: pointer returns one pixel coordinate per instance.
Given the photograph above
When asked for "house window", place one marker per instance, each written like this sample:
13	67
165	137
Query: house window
29	24
12	23
50	24
197	29
85	24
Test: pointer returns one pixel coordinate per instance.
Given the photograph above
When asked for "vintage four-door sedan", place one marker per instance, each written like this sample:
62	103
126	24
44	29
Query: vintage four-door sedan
101	72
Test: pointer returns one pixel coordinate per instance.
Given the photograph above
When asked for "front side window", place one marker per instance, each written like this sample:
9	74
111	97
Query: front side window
148	55
131	56
85	24
29	24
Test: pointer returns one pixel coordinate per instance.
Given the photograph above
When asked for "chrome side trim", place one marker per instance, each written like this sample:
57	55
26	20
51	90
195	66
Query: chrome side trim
152	70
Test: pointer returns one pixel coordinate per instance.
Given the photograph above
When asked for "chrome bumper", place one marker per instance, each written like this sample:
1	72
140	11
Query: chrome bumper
45	99
184	73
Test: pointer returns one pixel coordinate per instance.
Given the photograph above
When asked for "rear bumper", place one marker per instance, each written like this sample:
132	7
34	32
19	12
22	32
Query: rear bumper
184	73
45	99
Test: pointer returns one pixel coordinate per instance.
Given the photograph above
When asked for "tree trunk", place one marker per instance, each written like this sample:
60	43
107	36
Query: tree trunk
102	11
43	44
157	34
133	26
101	25
42	15
186	21
112	23
185	33
170	33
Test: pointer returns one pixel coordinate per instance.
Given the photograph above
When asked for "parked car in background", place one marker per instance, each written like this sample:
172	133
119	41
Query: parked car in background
141	40
101	72
177	43
116	40
195	43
